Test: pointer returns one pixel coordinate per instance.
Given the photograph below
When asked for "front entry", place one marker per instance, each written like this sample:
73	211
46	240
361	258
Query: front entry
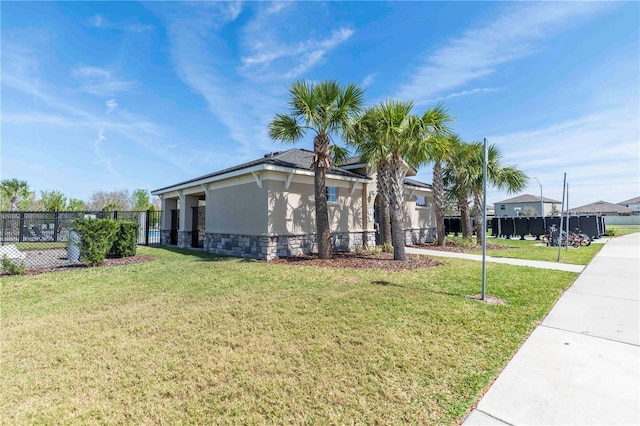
197	227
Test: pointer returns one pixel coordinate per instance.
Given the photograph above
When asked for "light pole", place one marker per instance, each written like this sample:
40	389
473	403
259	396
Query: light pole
541	202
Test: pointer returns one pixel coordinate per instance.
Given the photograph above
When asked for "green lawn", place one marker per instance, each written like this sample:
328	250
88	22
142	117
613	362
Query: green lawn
620	230
192	338
537	250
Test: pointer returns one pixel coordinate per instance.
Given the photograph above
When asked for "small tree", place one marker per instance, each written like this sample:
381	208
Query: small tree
53	200
75	205
14	192
529	212
141	199
554	210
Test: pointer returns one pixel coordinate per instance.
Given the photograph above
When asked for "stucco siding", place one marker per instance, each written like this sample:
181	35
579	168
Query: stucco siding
292	209
238	209
418	217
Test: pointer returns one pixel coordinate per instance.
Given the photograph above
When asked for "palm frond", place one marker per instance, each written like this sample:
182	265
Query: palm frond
284	128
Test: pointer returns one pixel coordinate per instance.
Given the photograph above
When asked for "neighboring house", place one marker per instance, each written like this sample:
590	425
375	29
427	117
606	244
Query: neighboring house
515	207
633	203
265	208
614	214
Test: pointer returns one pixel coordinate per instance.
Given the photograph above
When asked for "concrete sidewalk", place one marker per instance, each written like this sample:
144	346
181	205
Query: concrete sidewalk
582	365
518	262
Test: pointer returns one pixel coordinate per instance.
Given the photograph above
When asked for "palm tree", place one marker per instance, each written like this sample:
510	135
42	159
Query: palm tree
363	135
453	176
324	109
15	191
438	147
392	139
507	178
470	179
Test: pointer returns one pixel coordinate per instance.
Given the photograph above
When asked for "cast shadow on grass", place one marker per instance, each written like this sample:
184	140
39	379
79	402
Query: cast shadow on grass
200	254
390	284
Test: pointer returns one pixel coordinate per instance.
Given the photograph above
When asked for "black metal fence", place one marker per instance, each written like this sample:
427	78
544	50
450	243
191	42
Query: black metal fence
510	227
40	239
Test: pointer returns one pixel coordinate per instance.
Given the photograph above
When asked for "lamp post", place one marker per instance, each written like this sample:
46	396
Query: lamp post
541	202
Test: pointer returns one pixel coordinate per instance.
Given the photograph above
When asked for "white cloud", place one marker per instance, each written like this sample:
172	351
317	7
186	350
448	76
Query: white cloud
100	82
599	153
462	93
367	80
99	21
98	142
510	35
111	105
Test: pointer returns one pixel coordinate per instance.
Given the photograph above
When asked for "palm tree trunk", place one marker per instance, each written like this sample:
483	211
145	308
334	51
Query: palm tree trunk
396	209
465	219
438	202
384	219
321	162
479	216
382	183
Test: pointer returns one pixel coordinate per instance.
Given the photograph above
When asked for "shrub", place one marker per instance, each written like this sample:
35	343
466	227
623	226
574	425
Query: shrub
126	240
96	238
12	267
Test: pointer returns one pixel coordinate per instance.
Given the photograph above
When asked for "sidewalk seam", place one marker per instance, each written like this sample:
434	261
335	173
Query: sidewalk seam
494	417
597	295
589	335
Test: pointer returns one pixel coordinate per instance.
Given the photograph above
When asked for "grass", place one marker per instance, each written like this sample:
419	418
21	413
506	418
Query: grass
532	250
619	230
192	338
536	250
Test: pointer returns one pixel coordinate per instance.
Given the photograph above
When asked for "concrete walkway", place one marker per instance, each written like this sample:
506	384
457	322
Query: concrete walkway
582	365
519	262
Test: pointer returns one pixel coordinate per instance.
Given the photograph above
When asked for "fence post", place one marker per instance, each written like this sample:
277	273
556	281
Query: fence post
146	228
56	221
4	229
114	215
21	230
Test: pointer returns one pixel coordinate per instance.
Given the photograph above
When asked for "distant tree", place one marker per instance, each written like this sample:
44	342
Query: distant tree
76	205
554	210
53	200
13	192
115	200
140	199
529	212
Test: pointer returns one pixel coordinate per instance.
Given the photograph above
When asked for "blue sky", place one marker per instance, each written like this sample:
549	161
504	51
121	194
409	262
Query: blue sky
121	95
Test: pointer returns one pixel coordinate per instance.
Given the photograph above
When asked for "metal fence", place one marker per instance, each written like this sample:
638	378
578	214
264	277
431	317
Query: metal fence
38	240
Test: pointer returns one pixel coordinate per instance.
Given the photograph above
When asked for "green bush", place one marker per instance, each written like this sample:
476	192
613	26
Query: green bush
126	240
13	267
96	238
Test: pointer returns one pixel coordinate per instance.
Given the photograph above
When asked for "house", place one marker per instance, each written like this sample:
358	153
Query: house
515	207
633	203
265	208
614	214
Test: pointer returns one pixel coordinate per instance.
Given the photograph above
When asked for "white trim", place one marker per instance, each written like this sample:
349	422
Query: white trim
287	181
251	170
258	178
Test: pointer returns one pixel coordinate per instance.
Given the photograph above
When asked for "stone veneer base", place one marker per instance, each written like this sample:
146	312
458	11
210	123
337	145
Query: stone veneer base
270	247
419	236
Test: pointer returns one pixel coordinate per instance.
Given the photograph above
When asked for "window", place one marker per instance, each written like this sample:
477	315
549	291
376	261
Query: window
332	194
421	201
502	207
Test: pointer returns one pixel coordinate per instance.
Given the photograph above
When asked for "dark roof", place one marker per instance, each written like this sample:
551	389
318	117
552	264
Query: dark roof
527	198
635	200
293	158
602	207
417	183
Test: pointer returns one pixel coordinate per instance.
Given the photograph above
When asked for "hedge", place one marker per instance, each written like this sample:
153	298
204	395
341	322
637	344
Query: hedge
101	236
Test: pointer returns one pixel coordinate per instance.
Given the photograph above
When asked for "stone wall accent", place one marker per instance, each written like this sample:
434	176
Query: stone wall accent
165	237
184	239
419	236
270	247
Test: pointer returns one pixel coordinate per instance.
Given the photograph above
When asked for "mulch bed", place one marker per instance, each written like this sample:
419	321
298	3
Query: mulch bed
382	261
